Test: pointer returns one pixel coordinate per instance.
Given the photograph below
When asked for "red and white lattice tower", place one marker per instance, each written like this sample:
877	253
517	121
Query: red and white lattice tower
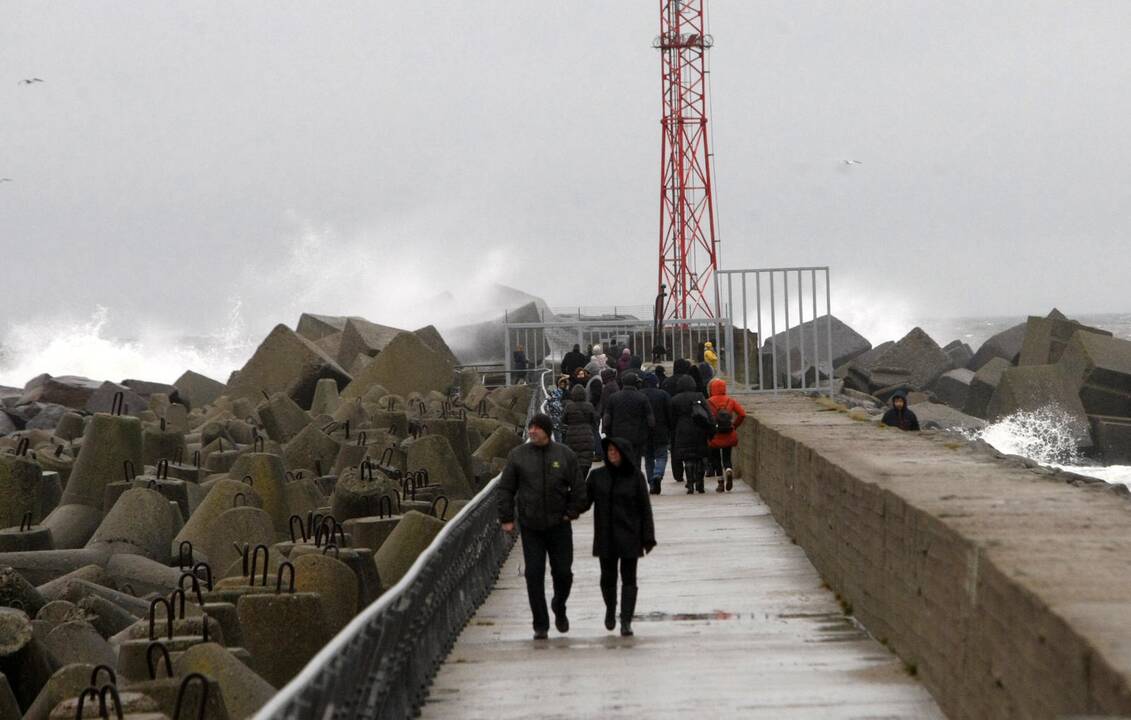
688	247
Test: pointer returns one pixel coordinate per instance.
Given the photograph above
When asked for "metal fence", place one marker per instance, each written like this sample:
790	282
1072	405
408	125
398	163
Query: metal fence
547	342
794	305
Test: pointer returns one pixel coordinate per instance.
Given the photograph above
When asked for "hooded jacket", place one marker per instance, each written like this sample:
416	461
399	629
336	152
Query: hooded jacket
625	360
710	356
544	484
670	384
689	441
622	511
609	378
579	422
628	415
719	400
903	419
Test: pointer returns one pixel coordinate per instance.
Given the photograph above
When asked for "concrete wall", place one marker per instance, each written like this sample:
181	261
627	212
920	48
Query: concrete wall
1005	590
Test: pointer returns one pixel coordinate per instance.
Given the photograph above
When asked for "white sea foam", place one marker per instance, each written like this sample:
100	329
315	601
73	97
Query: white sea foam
1047	436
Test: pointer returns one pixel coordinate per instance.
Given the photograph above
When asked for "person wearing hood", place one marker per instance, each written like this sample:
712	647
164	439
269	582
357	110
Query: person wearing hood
669	384
593	391
541	488
580	377
700	384
711	357
899	415
623	528
610	386
689	441
706	373
729	414
624	362
656	451
573	360
579	427
598	356
628	415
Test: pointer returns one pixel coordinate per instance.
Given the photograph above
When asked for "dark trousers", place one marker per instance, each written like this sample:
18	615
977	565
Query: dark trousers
692	468
609	571
557	544
720	460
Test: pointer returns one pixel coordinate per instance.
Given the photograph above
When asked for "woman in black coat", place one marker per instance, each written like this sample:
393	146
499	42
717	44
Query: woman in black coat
579	423
689	439
623	530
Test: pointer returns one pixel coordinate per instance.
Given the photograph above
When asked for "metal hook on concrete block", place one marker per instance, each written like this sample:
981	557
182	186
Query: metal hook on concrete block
189	679
149	659
285	565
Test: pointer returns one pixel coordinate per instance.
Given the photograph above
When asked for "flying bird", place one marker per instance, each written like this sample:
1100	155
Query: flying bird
5	179
29	81
853	162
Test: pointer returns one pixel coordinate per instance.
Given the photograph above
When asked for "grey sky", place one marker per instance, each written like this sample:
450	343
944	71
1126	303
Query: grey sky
182	156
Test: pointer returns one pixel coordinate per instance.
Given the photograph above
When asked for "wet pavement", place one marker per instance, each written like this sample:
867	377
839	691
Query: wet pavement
732	621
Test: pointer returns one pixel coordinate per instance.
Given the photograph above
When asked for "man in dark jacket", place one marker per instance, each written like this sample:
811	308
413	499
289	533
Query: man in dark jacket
542	479
899	415
656	450
628	415
572	360
689	440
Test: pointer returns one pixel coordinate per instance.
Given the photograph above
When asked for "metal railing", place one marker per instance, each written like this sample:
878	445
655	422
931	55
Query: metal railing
797	355
549	341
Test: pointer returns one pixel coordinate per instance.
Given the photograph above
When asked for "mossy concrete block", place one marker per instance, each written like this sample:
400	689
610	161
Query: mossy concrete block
455	430
67	682
406	364
334	581
142	575
54	589
237	525
20	478
42	566
326	399
102	401
17	592
158	444
197	390
107	617
498	444
244	691
288	363
79	642
164	691
268	479
135	706
310	448
435	454
433	339
282	417
357	496
370	532
282	632
409	538
70	426
16	539
23	660
109	441
140	523
221	497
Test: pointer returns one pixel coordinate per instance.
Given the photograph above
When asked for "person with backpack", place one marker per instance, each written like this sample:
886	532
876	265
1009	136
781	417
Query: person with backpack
628	415
693	425
728	414
623	528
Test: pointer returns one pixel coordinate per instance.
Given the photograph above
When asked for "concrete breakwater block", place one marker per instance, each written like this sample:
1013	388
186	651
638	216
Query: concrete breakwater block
233	527
103	399
20	478
224	495
285	362
359	560
78	641
135	706
983	385
23	661
960	354
1033	387
267	473
359	495
409	538
197	390
331	578
1005	345
311	447
164	691
406	364
158	444
17	592
1101	367
282	417
498	444
1047	337
108	442
108	618
243	690
435	454
455	431
69	390
326	399
847	344
1112	438
282	632
140	523
42	566
67	682
371	531
25	538
953	387
70	426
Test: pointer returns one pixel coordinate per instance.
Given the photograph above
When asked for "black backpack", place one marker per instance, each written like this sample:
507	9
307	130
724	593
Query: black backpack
701	416
724	421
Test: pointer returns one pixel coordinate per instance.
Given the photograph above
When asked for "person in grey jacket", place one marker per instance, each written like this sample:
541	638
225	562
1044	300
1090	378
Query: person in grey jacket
542	488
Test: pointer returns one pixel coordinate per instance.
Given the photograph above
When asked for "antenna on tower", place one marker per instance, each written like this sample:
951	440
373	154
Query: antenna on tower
688	246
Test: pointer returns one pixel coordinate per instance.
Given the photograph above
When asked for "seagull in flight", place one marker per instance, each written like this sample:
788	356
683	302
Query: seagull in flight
853	162
3	180
29	81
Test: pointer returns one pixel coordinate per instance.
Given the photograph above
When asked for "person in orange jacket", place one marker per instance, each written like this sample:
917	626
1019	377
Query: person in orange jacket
729	414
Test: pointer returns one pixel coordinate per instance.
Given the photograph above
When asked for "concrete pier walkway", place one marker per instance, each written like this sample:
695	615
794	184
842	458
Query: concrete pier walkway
732	621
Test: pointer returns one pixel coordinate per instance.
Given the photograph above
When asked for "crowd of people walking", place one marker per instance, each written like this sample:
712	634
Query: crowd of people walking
632	421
